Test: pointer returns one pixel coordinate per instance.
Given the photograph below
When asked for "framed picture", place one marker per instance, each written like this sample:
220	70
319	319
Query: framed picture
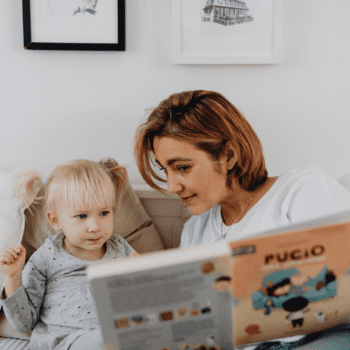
227	31
97	25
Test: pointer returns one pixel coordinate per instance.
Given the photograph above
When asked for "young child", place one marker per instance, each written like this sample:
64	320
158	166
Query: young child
52	293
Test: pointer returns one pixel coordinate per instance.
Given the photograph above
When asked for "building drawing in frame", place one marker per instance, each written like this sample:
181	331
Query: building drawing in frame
226	12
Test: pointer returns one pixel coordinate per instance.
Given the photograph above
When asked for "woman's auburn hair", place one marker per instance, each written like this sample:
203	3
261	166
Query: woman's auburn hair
209	121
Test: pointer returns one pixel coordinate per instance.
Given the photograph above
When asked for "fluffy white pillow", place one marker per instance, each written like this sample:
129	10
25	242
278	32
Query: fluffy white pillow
11	215
12	206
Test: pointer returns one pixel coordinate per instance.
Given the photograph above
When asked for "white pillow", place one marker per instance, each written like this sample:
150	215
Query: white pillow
11	215
16	194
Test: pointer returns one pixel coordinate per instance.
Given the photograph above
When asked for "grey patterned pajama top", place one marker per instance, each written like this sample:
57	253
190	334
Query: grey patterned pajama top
55	296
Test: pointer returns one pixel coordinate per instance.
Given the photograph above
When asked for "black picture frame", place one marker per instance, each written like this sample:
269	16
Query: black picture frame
30	45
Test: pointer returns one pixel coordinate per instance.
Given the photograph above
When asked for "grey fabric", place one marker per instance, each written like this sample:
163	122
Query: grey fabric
87	341
13	344
55	296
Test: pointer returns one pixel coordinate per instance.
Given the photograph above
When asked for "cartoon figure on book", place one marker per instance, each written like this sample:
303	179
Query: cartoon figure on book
213	160
52	293
284	286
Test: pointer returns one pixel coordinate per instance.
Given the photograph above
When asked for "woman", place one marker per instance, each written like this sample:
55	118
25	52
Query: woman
213	161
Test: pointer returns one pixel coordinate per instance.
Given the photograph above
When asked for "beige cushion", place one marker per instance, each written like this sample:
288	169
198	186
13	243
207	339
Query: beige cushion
145	240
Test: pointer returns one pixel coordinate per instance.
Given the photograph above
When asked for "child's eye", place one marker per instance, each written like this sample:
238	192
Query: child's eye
104	213
81	216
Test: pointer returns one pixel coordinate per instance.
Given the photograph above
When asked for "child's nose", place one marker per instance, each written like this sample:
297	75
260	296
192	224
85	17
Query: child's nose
93	225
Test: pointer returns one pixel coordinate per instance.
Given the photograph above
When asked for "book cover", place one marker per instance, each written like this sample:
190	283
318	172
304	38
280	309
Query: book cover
173	300
286	284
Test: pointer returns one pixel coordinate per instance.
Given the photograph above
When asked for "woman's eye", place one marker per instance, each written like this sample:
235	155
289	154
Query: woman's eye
163	169
81	216
104	213
182	169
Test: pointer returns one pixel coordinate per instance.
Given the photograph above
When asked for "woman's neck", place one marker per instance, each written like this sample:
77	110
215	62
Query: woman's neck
239	201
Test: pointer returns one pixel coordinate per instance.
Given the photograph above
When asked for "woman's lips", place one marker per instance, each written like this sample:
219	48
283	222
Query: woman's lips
187	199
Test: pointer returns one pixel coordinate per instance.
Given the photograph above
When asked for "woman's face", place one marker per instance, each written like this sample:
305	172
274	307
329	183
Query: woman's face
191	174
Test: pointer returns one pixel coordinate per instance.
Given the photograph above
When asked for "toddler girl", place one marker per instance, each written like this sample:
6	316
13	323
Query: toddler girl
52	294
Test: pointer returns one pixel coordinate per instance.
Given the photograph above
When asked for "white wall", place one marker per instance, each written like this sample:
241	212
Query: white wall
55	106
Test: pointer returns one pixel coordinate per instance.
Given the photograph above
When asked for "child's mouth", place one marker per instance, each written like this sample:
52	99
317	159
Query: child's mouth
94	240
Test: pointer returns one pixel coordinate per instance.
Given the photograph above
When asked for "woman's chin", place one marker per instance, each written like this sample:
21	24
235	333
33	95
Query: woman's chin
197	209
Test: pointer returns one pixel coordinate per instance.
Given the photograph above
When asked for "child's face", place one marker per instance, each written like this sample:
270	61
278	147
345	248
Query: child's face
86	231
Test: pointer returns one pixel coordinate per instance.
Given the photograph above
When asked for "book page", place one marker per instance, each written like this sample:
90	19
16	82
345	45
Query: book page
291	283
168	308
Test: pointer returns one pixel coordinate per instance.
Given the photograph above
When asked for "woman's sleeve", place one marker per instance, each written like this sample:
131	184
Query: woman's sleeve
22	309
317	194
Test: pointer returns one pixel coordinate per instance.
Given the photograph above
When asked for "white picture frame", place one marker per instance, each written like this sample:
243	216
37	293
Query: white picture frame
257	42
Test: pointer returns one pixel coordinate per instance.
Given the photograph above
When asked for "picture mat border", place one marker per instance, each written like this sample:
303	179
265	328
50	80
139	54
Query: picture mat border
179	57
119	46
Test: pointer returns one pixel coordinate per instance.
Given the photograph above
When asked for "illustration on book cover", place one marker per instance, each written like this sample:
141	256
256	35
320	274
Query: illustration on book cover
303	287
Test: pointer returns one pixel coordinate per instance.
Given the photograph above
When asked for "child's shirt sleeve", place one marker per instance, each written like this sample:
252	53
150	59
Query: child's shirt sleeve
22	309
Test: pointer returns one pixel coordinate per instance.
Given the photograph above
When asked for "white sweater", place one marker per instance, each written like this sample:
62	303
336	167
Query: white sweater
296	196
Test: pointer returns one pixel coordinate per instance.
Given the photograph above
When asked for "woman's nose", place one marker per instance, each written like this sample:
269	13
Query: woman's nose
174	185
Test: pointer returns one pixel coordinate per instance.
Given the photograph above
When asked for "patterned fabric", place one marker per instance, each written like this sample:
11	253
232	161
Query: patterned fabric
55	296
13	344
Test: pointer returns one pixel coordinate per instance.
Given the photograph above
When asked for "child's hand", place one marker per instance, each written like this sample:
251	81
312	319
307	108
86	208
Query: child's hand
134	253
12	260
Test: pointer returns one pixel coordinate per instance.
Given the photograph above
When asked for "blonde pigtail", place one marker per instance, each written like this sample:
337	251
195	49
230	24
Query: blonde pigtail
27	186
117	173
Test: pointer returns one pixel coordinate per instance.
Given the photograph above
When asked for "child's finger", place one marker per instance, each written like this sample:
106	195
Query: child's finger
13	251
3	260
10	260
134	253
7	258
21	248
11	256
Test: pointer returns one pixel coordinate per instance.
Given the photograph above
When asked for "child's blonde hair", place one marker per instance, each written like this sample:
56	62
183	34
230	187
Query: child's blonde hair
83	184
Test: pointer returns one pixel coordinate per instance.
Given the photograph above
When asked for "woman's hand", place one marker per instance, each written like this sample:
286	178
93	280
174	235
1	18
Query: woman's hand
12	261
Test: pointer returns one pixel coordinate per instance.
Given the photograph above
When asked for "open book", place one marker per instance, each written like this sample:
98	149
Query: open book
278	284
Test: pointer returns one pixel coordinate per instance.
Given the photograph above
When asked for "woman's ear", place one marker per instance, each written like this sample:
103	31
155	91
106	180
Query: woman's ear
230	156
53	220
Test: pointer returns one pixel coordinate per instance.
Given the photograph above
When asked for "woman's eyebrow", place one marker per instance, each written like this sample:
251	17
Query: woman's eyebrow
173	160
